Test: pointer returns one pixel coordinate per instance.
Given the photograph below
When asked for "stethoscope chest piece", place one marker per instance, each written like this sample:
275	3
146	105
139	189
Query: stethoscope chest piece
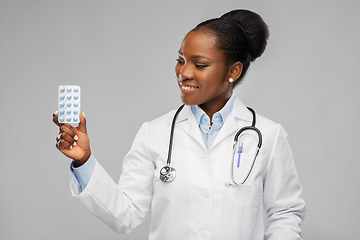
167	174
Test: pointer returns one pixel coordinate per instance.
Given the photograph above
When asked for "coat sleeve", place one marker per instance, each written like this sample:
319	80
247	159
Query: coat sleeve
284	206
125	205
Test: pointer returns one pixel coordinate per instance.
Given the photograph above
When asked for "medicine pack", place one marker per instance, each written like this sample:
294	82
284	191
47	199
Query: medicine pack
69	104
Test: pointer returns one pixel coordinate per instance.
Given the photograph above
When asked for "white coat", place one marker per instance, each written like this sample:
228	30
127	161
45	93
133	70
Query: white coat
197	204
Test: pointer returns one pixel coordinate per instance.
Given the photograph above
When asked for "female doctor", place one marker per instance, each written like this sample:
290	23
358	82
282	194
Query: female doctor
209	189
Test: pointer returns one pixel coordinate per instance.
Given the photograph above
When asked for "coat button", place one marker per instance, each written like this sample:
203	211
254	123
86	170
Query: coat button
212	157
206	194
203	234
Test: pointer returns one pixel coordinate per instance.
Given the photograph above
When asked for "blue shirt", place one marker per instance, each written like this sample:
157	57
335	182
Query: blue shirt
209	132
84	172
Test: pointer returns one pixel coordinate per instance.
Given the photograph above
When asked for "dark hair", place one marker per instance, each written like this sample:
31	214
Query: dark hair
241	34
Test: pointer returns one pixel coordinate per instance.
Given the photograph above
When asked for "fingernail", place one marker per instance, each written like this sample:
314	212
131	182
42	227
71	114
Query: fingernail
70	147
76	137
56	112
83	114
74	144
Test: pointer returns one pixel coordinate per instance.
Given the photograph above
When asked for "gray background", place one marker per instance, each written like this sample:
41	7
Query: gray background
123	55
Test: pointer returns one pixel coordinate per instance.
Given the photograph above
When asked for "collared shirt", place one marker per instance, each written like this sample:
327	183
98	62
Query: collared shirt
84	172
210	131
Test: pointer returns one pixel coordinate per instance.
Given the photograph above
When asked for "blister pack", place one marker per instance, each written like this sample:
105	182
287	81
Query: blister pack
69	104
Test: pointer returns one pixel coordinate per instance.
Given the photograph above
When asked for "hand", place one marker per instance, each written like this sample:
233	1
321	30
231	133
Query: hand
73	142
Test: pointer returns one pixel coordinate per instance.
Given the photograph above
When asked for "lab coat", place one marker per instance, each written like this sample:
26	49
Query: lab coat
198	204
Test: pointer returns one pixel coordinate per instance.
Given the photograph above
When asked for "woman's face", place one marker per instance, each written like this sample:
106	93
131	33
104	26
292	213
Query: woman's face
202	74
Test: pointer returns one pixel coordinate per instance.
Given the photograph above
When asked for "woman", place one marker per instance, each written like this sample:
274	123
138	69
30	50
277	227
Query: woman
260	198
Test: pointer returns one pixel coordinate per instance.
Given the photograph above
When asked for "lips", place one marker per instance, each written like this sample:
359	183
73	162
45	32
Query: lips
187	88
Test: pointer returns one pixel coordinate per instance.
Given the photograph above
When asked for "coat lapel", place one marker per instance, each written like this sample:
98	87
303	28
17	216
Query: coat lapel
239	117
190	125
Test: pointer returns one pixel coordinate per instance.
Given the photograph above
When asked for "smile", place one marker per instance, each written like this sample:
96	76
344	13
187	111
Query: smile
186	88
183	87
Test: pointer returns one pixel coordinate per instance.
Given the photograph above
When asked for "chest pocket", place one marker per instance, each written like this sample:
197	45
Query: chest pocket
251	192
247	195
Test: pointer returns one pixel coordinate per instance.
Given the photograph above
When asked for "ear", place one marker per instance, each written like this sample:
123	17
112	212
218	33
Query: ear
235	70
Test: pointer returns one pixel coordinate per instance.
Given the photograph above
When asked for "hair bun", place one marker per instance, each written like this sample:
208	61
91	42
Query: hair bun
254	26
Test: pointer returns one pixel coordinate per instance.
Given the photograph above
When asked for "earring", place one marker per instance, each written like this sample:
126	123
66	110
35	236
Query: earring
231	80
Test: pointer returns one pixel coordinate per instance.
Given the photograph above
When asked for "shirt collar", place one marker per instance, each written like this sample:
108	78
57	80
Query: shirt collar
224	112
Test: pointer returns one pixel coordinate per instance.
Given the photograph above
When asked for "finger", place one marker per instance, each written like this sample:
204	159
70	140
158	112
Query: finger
58	137
63	145
66	137
66	128
82	124
55	119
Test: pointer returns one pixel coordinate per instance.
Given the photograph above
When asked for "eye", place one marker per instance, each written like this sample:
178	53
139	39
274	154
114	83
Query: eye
179	61
201	65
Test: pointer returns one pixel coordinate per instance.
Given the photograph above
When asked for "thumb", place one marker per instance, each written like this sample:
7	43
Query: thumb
82	123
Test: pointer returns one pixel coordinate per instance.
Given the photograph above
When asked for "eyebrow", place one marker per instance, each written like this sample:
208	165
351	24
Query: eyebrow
194	56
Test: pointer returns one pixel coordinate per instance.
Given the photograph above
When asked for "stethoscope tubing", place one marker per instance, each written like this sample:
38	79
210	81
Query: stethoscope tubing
236	137
167	173
172	134
249	128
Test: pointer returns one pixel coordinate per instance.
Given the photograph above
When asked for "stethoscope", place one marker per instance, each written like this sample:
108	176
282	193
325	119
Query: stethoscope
168	173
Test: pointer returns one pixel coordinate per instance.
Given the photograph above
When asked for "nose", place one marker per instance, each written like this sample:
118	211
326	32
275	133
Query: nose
186	72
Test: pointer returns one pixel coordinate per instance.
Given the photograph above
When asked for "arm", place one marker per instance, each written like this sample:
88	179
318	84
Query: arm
122	207
74	143
284	206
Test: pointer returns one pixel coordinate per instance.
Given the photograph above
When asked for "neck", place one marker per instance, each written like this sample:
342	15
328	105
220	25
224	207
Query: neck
211	108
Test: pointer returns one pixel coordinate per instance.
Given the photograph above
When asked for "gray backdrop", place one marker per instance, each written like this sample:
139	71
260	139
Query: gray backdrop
123	55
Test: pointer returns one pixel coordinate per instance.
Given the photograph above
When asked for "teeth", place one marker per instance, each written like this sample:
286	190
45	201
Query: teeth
184	87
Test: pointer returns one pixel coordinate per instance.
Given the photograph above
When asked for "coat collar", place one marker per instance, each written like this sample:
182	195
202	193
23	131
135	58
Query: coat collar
190	124
240	116
241	112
